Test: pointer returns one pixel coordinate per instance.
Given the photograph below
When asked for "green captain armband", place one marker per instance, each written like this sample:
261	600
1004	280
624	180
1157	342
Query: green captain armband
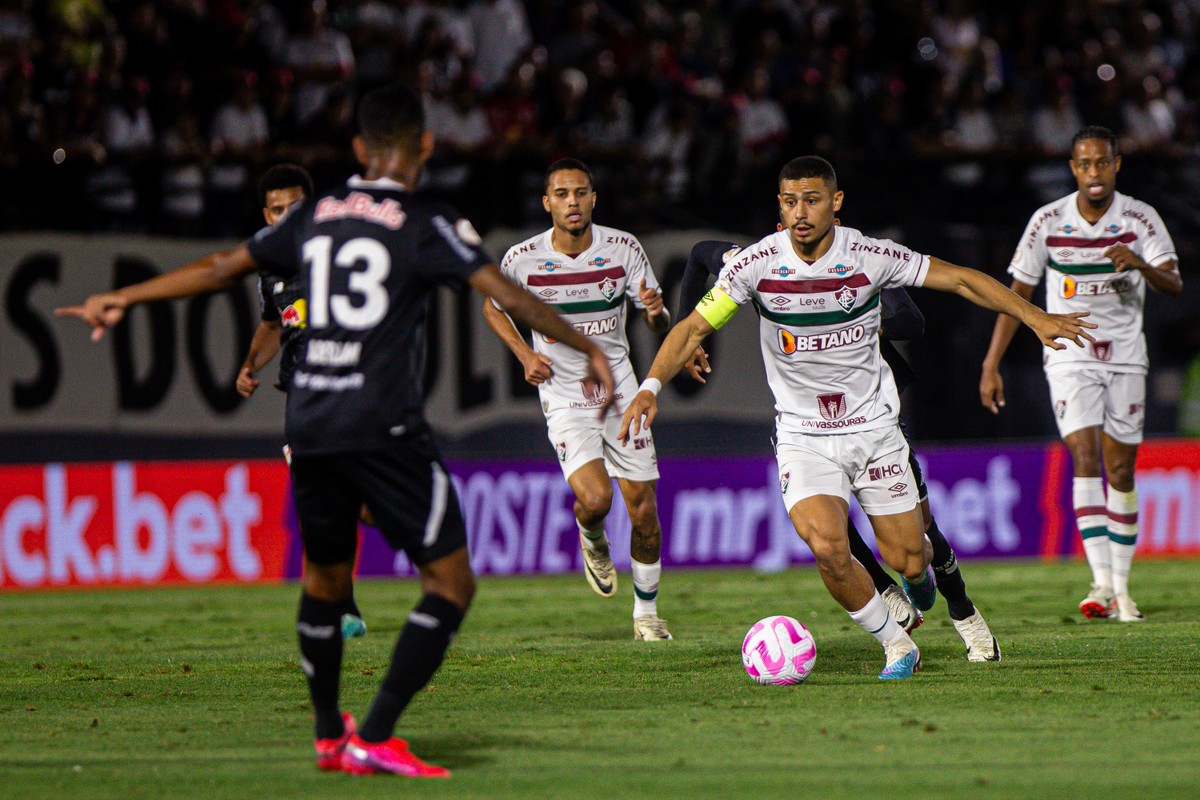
716	307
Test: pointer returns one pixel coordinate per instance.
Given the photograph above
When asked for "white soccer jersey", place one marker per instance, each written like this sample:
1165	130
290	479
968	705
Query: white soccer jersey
589	290
819	327
1069	251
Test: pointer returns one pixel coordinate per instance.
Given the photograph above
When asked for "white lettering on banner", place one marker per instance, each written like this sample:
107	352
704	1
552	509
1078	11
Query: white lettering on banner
147	536
719	524
974	513
1168	509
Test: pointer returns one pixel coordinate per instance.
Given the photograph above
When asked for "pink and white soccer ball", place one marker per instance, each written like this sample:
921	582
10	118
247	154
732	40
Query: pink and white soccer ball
778	650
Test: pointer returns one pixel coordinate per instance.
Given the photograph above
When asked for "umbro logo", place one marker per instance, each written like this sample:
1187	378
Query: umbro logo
548	292
780	301
898	489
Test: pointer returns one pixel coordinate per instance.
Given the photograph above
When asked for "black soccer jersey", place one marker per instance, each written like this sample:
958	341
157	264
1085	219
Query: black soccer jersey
368	256
282	301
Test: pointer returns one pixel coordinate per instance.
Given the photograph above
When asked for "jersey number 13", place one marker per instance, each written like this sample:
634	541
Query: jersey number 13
365	283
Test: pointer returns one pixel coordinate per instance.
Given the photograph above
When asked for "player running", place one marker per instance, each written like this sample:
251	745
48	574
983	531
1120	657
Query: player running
1098	250
588	272
817	288
370	254
900	320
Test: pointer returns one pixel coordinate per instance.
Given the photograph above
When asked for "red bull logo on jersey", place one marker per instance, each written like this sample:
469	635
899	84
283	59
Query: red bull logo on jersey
608	288
846	298
360	205
832	406
294	315
1102	350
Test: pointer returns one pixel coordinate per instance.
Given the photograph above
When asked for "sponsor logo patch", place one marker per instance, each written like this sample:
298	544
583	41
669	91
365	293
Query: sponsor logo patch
785	271
608	287
1136	408
832	406
840	269
561	449
549	266
592	390
898	489
787	342
1060	409
1102	350
885	472
780	300
784	481
548	292
294	315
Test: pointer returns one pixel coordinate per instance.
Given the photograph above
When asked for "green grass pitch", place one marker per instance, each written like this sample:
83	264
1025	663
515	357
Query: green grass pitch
196	693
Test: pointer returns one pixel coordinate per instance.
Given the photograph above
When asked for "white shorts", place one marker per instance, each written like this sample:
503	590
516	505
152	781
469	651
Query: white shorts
1089	398
578	437
872	464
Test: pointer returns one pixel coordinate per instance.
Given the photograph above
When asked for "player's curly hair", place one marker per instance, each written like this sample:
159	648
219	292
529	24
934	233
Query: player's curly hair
809	167
284	176
1098	132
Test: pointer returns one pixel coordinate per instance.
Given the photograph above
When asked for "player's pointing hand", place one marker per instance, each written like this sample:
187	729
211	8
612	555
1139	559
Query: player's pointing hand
101	311
1052	327
651	298
697	366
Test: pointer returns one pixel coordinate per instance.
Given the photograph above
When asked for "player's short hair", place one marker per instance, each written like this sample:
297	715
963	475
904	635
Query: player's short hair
809	167
391	117
1098	132
566	163
284	176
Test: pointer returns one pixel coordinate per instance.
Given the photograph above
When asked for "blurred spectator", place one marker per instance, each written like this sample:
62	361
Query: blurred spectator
762	125
501	35
185	155
321	60
237	140
1149	119
377	34
129	140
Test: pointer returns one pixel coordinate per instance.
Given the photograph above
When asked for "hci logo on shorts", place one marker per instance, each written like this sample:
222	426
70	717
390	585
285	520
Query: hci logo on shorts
885	472
561	449
833	406
1102	350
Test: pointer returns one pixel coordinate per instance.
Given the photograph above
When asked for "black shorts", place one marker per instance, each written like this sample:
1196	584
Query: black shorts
406	487
918	476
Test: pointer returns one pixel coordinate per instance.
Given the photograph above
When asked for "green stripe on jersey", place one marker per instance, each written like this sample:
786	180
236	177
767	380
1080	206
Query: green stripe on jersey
1081	269
820	317
587	306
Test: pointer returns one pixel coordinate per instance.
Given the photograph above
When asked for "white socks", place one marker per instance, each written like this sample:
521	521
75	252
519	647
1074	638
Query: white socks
875	620
1122	535
645	587
593	540
1087	495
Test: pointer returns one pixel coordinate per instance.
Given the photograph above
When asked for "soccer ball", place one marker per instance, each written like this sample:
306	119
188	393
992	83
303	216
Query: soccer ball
778	650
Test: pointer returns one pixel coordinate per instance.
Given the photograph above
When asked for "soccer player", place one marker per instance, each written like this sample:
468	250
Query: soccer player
900	320
817	290
281	306
588	272
369	255
1101	249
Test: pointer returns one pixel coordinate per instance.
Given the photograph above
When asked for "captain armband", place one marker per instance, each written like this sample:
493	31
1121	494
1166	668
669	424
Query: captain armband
716	307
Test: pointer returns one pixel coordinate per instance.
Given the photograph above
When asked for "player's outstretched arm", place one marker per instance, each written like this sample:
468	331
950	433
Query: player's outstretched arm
212	273
538	367
264	345
984	291
677	349
991	385
528	310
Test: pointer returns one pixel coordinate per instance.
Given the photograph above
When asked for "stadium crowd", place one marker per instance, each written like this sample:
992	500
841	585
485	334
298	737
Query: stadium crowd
156	115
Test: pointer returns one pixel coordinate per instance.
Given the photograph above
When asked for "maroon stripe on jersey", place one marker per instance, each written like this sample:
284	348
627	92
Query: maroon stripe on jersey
1091	511
572	278
1126	519
812	287
1104	241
